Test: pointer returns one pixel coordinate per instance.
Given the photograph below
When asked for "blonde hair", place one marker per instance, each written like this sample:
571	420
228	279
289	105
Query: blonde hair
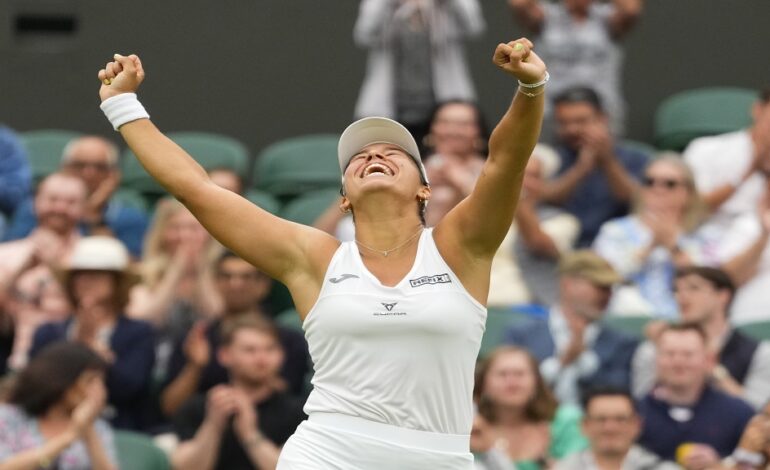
155	256
695	209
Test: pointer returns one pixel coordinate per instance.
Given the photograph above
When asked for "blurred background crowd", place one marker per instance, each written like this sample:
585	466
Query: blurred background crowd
628	319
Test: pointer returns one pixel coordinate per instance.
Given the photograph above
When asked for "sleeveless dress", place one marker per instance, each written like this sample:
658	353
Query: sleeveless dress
394	368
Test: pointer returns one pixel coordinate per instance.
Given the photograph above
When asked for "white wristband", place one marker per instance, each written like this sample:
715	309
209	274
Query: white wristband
123	108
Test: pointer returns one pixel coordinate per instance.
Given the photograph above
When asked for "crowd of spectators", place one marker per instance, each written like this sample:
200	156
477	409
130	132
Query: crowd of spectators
117	319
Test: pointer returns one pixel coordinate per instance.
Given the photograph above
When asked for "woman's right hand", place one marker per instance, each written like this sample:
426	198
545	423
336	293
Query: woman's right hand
84	415
123	75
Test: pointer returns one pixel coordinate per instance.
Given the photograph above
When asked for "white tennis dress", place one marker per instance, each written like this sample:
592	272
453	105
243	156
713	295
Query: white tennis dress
393	366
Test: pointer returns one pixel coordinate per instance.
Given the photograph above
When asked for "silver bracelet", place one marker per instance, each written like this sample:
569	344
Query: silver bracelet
535	85
743	456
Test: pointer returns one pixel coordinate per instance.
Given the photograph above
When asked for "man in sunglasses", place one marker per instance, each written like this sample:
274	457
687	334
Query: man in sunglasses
597	177
94	160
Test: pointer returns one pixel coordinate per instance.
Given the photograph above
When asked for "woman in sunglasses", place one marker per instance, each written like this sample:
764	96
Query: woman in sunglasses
659	236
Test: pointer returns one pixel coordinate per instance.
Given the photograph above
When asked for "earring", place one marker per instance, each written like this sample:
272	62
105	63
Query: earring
344	210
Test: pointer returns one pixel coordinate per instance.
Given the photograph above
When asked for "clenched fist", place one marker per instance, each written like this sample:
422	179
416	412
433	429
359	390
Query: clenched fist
518	59
123	75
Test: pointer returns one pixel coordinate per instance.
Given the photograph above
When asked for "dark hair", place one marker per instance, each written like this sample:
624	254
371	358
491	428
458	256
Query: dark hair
122	283
481	121
684	328
579	95
719	279
606	391
50	374
541	407
764	95
230	327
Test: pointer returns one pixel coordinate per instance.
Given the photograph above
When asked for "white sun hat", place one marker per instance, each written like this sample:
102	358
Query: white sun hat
376	130
99	253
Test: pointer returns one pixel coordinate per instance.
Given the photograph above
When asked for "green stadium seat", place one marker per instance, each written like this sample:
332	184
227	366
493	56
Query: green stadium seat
706	111
44	149
138	452
499	319
759	330
264	200
630	325
306	208
294	166
289	318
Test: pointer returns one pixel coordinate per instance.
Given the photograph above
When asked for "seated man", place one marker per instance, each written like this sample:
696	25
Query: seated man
29	293
95	161
576	350
704	296
684	409
597	176
195	367
612	425
241	424
730	169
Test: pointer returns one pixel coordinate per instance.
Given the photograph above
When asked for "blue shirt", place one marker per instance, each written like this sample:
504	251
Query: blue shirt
127	223
592	201
717	420
15	174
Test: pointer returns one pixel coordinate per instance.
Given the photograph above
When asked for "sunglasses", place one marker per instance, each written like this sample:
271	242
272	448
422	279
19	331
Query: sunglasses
667	183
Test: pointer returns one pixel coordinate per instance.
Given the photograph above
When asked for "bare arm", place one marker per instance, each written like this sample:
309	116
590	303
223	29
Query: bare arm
622	185
262	453
624	18
480	222
34	458
96	452
200	452
559	189
292	253
529	13
743	267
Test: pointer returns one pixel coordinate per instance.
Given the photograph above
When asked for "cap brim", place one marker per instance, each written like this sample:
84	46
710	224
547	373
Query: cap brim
373	130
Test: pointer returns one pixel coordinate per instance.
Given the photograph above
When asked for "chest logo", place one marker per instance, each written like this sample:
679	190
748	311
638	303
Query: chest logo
343	277
389	307
435	279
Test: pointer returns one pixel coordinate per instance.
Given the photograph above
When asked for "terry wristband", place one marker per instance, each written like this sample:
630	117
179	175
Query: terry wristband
122	109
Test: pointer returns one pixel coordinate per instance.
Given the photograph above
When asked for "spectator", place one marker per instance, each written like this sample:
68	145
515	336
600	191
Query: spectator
415	57
526	421
597	177
524	268
51	417
456	153
745	254
97	282
704	296
612	425
243	424
15	175
194	363
95	161
580	42
576	350
30	293
647	246
226	178
731	170
684	414
177	285
753	450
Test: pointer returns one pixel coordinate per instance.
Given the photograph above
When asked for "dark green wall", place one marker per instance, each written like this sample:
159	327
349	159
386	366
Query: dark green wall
262	70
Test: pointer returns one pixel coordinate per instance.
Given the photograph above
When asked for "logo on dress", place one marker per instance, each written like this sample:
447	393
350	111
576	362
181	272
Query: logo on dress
343	277
389	312
389	307
435	279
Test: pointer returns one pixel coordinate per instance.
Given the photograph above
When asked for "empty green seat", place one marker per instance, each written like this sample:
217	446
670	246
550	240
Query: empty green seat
297	165
263	200
45	148
630	325
138	452
706	111
306	208
759	330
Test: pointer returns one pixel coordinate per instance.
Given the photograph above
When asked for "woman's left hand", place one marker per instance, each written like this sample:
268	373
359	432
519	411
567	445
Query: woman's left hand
518	59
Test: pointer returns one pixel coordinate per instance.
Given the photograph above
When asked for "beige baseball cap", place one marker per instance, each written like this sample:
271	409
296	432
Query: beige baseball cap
376	130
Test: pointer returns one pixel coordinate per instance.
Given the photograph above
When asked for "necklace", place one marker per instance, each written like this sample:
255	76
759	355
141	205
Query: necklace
387	252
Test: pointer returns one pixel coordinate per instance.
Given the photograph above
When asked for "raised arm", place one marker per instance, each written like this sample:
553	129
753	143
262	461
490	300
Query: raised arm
281	249
480	222
624	17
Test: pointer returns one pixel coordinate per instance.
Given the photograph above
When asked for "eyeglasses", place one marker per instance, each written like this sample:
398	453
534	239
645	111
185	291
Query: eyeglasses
667	183
80	166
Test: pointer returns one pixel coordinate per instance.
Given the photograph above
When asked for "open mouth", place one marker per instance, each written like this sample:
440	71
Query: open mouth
376	169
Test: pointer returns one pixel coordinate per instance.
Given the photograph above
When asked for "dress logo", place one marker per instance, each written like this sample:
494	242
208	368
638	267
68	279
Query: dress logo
343	277
389	312
435	279
389	307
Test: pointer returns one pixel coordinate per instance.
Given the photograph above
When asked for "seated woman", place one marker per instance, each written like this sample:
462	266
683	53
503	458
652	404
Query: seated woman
527	423
647	246
50	419
97	282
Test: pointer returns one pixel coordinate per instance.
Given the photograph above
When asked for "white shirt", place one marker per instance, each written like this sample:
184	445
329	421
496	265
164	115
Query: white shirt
723	159
402	355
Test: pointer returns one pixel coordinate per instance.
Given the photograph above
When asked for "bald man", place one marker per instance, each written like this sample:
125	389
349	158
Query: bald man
94	160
